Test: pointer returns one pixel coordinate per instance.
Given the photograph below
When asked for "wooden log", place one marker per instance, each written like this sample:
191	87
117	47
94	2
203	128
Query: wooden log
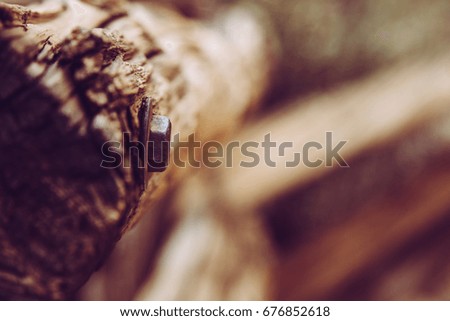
323	44
75	82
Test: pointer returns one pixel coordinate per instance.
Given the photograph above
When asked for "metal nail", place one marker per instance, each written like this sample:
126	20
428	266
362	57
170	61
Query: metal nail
154	134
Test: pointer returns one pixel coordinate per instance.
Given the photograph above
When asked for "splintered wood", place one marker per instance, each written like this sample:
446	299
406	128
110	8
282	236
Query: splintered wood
73	75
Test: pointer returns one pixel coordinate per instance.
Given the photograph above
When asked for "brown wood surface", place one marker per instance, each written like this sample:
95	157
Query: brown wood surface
76	75
375	74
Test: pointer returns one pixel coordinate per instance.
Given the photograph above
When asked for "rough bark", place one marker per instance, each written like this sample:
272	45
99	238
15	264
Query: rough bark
273	216
76	73
376	230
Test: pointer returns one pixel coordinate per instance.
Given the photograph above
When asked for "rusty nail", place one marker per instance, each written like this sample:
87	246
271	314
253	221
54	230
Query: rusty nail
154	134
